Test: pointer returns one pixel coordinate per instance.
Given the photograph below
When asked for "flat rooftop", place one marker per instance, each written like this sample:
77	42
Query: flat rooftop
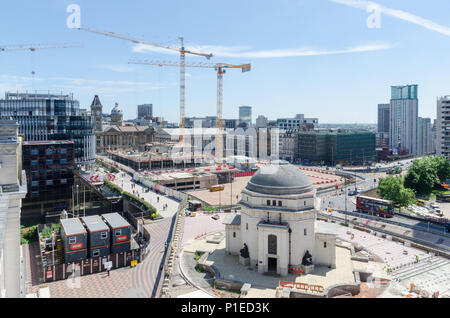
95	223
73	226
115	220
48	142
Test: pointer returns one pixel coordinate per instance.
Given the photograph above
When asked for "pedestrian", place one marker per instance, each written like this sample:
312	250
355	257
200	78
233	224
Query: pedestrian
107	272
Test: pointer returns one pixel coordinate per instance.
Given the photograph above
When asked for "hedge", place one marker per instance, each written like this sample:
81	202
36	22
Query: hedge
149	209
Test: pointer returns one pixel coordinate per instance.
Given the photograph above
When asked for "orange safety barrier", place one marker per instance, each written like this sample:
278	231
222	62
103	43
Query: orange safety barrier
316	288
295	270
301	286
283	283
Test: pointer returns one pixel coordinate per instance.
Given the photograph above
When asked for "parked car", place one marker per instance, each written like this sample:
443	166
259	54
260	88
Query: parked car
215	217
352	193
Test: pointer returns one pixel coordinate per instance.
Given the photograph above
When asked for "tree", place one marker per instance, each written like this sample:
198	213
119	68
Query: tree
442	168
423	176
391	188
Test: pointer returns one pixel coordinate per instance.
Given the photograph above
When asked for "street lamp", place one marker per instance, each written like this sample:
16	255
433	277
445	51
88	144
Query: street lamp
78	203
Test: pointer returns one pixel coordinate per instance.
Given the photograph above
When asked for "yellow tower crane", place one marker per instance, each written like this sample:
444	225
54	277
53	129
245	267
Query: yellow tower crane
182	50
221	70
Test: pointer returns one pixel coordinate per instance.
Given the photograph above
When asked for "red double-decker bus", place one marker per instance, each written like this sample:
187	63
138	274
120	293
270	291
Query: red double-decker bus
374	206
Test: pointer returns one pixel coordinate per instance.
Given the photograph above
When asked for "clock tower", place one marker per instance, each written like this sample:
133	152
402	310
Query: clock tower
96	111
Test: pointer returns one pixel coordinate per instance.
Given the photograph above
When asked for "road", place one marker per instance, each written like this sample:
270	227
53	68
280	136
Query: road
336	201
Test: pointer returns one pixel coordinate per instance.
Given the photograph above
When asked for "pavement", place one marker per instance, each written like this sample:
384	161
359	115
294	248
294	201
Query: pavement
125	182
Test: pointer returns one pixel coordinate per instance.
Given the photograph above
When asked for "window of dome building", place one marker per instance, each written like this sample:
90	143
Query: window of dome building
280	203
304	232
272	244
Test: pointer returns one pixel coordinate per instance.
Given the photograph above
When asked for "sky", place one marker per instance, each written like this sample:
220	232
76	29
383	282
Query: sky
330	59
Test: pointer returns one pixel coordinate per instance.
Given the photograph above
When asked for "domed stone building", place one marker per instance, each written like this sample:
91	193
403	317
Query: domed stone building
116	116
277	227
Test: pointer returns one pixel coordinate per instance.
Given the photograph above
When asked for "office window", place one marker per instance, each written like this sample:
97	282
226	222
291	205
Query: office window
274	202
63	181
48	162
324	244
63	161
49	182
72	239
118	232
234	234
304	232
63	150
96	253
280	203
268	202
34	151
34	163
104	235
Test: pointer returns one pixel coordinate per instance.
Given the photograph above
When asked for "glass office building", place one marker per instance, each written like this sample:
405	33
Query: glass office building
404	115
336	147
43	117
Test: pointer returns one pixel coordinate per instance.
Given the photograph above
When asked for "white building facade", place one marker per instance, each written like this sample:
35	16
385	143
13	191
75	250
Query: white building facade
278	222
13	188
443	127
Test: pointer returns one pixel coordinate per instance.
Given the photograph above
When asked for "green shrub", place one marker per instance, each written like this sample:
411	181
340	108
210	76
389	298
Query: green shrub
46	232
149	209
112	186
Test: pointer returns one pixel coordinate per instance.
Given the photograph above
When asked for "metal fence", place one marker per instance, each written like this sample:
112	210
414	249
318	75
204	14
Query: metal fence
375	218
91	266
422	243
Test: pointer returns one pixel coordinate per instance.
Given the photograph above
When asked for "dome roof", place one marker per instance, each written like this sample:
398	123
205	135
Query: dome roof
280	179
116	109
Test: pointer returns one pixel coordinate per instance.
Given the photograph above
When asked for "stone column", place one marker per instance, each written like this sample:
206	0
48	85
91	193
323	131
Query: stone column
11	251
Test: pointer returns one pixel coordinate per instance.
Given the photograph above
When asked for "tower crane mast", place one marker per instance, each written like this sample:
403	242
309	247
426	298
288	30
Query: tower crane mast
182	50
221	70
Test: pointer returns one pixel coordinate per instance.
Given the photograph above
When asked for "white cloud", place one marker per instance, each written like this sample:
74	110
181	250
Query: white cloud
119	68
245	52
399	14
69	84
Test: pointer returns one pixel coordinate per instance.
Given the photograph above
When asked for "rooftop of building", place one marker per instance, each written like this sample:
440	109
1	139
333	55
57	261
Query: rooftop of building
37	95
48	142
280	178
115	220
94	223
73	226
